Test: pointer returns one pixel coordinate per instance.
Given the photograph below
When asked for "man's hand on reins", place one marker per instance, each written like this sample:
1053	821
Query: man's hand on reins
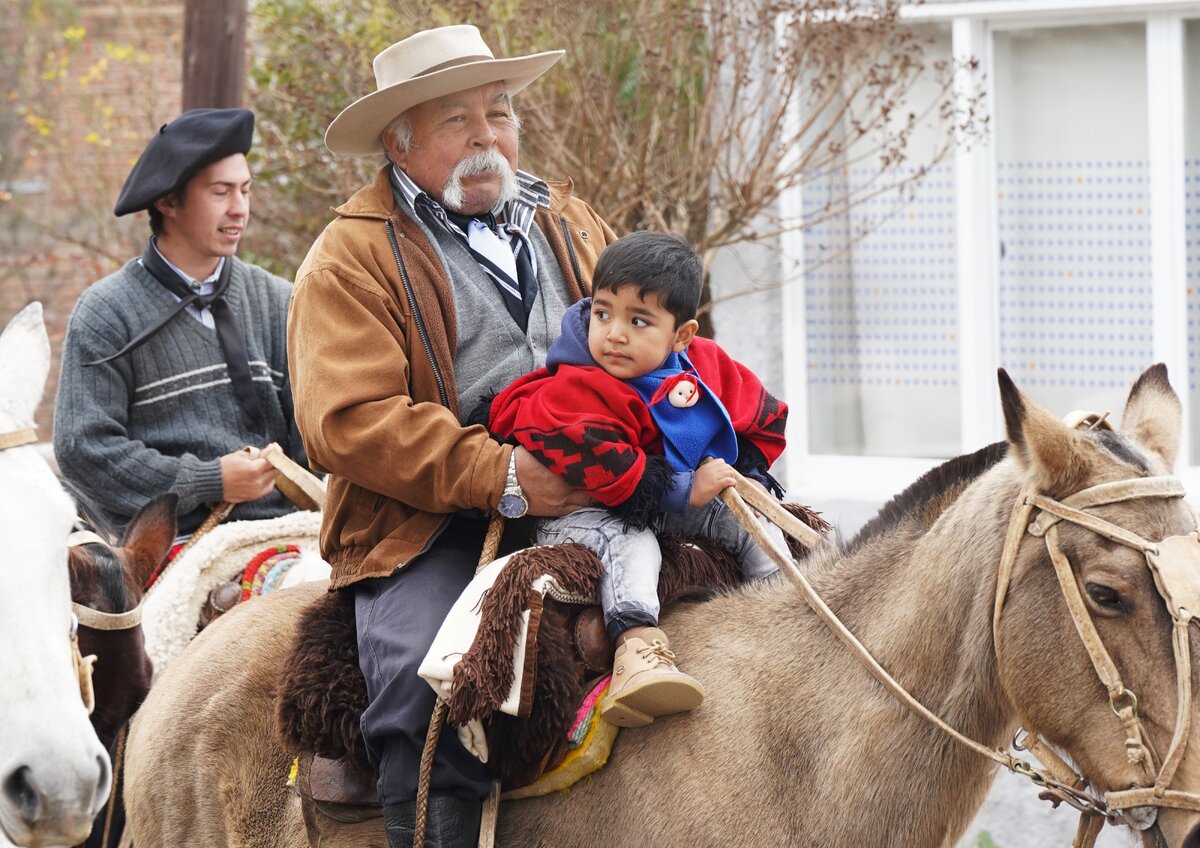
244	478
546	492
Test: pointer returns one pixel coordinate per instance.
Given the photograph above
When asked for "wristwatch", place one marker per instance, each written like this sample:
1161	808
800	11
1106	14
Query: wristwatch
512	501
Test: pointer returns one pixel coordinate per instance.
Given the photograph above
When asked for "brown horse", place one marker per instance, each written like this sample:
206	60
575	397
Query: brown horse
108	576
796	743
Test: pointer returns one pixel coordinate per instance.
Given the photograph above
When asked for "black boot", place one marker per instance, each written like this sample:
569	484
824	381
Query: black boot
451	823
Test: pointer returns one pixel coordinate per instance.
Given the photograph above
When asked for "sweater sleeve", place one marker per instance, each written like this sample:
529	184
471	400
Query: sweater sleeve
91	440
583	425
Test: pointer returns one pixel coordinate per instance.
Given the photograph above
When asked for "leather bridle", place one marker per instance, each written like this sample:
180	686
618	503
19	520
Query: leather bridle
83	665
1174	564
94	618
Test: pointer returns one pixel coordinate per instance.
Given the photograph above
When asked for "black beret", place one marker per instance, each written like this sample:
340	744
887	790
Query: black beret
195	139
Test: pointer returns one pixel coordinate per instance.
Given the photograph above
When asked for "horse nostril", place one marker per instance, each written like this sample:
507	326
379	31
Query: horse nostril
20	791
103	785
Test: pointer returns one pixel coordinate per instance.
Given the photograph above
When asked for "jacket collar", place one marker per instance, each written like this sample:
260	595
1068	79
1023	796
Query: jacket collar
375	200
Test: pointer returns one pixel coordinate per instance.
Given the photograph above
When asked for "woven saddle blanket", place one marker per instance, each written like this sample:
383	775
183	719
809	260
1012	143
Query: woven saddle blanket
173	604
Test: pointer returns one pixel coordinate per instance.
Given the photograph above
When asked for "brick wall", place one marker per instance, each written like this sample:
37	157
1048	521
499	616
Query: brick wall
103	77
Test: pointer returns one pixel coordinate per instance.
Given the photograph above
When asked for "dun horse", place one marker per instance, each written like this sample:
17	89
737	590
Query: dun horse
796	743
54	775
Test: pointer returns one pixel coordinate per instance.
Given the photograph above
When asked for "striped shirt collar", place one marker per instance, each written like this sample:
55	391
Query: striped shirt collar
533	193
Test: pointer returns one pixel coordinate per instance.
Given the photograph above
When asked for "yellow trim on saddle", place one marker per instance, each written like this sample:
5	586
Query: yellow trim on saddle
590	756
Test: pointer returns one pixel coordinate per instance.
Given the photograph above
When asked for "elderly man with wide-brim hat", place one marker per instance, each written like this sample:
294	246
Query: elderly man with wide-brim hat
176	361
433	288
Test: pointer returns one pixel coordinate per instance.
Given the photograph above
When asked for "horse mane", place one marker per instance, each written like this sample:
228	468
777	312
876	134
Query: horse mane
931	494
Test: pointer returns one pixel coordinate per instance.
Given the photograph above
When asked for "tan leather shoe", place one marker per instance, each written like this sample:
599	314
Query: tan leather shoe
646	684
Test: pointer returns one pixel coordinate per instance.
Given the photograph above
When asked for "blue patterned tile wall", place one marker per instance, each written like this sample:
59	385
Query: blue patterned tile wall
882	315
1191	170
1075	277
882	311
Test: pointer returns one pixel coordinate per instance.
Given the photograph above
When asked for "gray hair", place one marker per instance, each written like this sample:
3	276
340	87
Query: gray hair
398	133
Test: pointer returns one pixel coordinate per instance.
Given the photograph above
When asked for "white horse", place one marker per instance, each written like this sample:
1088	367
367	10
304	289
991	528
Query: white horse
54	774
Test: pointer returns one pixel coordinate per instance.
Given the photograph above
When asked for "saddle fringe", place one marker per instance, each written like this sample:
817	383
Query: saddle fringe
322	693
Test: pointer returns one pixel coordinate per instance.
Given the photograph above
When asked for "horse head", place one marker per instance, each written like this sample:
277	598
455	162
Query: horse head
108	580
54	775
1103	565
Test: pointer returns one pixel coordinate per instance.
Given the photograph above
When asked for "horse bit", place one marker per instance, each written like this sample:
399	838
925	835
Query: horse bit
83	665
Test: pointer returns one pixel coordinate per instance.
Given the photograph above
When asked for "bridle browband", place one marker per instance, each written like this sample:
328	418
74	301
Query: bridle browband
94	618
83	665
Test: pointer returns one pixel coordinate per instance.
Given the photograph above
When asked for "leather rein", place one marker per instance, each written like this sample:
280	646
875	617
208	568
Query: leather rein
83	665
1174	563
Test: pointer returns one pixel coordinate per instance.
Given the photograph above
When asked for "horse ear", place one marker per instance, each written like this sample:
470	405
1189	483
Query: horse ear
149	536
24	364
1153	415
1060	458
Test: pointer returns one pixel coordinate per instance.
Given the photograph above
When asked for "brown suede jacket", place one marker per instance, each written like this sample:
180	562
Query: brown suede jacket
371	339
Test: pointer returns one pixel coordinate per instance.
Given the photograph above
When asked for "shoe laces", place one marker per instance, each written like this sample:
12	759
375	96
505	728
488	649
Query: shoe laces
658	653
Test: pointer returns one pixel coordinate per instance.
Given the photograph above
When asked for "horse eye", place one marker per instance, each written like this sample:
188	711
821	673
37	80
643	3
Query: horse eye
1106	596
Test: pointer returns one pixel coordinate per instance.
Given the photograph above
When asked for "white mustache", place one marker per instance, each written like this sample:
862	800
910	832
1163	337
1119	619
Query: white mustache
485	162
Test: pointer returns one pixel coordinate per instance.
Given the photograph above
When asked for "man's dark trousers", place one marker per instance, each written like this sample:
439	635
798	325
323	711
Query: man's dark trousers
397	618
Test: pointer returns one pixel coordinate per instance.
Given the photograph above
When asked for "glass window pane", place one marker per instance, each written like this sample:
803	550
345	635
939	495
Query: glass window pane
880	297
1191	169
1073	213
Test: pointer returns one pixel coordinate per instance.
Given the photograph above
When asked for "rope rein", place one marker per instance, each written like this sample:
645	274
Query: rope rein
491	544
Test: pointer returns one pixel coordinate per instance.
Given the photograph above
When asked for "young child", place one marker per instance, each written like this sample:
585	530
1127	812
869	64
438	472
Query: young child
629	407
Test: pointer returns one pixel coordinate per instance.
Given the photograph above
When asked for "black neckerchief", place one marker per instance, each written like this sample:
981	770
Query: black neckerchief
228	333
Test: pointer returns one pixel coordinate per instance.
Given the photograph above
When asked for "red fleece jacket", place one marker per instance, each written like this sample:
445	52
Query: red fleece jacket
596	432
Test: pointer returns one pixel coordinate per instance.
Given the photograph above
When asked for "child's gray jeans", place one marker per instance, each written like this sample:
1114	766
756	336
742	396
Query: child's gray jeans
629	587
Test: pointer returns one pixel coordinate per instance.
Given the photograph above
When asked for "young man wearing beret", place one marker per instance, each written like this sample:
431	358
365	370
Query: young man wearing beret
178	360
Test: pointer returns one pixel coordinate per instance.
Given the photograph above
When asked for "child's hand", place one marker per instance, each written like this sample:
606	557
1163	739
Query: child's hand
712	477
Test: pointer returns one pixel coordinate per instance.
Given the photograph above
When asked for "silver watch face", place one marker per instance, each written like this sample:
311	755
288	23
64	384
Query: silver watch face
512	506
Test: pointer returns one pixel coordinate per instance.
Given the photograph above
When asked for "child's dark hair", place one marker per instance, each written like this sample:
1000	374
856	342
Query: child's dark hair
657	263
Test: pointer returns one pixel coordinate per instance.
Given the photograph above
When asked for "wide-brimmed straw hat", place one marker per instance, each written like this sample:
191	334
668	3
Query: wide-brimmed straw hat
423	67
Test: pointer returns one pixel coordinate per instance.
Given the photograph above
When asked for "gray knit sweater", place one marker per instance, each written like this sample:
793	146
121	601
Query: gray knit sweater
158	419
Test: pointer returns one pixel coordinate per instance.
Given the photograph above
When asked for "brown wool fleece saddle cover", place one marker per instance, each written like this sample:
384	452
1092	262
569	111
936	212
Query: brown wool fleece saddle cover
322	693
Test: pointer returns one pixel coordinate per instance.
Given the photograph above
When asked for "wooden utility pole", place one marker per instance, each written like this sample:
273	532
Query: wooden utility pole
214	53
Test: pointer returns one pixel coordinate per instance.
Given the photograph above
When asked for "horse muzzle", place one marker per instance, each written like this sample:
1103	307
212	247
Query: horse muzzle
43	802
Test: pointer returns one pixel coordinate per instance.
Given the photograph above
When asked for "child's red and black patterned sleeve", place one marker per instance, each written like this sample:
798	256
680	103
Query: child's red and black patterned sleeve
583	425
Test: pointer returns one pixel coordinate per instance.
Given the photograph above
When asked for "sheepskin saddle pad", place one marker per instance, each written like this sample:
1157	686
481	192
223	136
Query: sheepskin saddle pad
322	693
